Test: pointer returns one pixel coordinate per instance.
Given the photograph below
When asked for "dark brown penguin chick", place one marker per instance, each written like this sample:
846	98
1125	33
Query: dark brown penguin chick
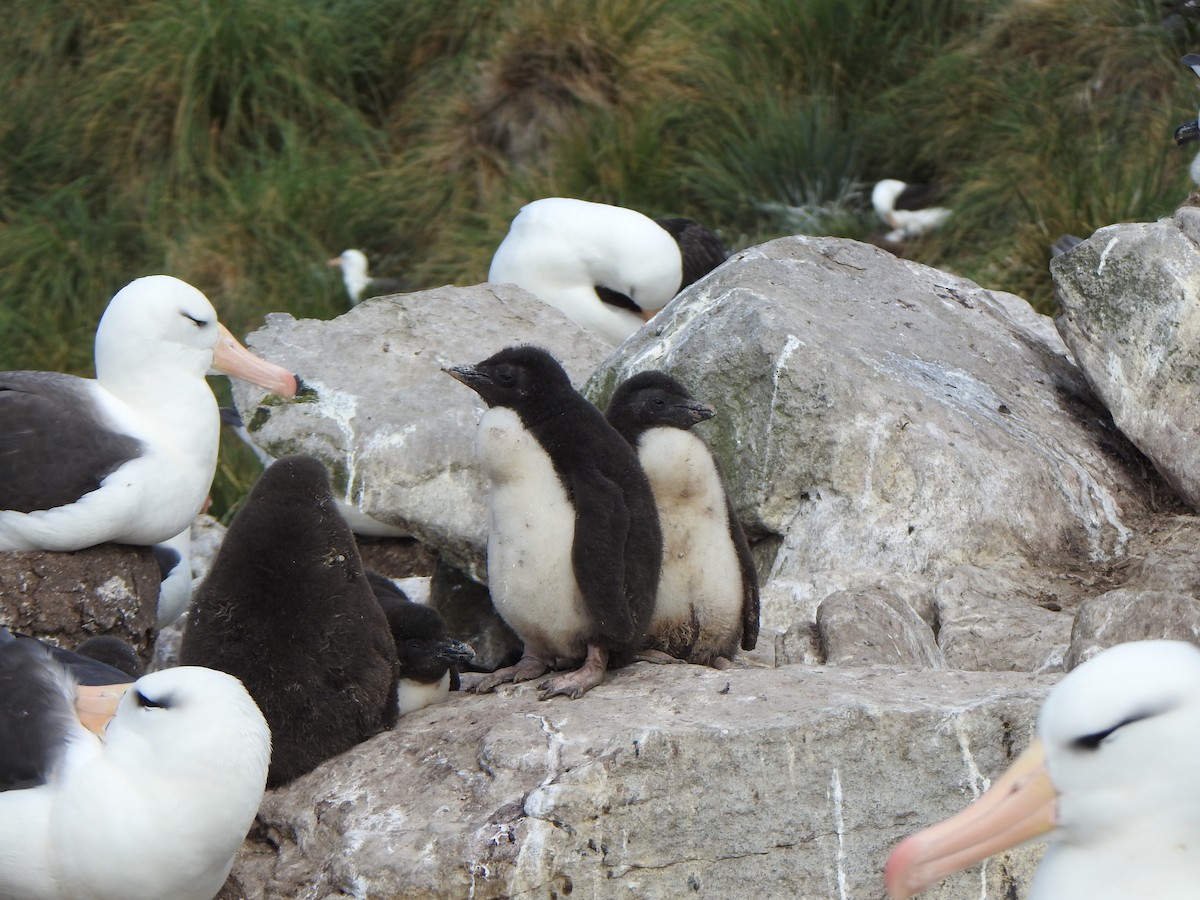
288	610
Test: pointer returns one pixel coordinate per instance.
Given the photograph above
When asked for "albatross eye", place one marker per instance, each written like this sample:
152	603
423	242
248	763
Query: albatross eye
146	703
199	323
1095	739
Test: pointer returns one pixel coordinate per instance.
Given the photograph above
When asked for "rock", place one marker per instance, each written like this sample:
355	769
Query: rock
874	416
873	627
397	433
999	620
68	597
1129	316
664	782
1131	615
875	413
1159	596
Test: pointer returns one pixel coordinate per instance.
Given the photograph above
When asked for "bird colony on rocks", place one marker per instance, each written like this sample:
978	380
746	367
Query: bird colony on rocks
674	479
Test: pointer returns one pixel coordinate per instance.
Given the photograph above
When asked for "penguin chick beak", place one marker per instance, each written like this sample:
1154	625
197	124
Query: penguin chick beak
455	651
698	411
468	375
1187	132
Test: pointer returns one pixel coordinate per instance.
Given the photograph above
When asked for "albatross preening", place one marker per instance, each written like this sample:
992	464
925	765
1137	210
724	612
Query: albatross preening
907	208
606	267
153	806
128	456
1114	776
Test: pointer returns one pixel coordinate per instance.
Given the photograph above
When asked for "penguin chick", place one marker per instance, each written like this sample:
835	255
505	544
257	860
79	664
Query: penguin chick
574	546
708	600
287	609
428	656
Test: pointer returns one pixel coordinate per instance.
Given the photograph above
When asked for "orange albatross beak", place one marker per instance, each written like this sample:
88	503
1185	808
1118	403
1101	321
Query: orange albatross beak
230	357
96	704
1019	806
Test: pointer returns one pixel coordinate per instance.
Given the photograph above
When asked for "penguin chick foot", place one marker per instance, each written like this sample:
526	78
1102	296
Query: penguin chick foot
527	668
658	657
575	684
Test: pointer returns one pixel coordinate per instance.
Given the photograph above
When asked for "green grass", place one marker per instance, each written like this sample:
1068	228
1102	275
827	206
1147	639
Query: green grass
240	145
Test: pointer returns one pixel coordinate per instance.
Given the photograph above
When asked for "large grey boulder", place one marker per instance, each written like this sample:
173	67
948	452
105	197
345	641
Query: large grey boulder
664	782
874	416
1130	297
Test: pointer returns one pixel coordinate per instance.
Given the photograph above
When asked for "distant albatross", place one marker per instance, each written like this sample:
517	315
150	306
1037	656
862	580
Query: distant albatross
1114	776
1190	131
128	456
359	284
606	267
147	803
907	208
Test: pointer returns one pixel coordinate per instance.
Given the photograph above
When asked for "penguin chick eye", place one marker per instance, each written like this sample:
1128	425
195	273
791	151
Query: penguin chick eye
1095	739
145	702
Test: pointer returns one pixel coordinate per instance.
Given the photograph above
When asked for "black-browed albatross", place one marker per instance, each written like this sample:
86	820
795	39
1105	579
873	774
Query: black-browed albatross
149	802
128	456
1113	779
606	267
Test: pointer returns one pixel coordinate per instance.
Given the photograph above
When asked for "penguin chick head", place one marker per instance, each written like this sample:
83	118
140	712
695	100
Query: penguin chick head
652	400
514	376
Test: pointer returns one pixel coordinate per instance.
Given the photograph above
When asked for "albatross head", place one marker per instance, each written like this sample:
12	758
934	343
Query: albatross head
159	326
1114	775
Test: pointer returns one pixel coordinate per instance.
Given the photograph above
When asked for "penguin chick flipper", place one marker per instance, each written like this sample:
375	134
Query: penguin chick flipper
598	554
575	684
527	668
750	592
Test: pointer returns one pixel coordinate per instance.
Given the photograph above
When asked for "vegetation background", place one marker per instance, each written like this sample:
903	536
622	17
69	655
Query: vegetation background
238	144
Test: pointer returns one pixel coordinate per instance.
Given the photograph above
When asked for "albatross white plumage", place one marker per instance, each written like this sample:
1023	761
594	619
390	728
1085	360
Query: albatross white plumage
359	284
157	807
907	208
128	456
1190	131
1114	776
606	267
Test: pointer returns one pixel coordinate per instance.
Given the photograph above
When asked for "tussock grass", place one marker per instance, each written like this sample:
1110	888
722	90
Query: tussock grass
240	145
